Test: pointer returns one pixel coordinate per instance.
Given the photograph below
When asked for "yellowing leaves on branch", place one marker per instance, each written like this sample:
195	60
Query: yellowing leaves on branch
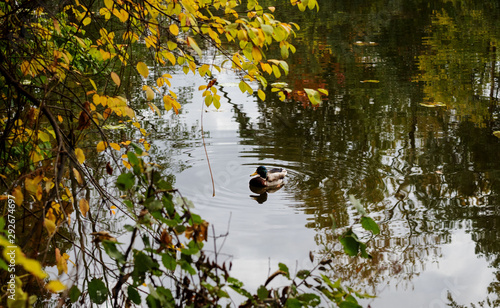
70	70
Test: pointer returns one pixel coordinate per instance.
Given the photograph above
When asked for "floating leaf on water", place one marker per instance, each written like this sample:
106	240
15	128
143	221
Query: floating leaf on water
279	85
357	205
361	43
433	104
370	81
119	126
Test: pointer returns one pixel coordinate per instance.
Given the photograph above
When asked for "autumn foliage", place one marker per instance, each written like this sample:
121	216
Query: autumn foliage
64	70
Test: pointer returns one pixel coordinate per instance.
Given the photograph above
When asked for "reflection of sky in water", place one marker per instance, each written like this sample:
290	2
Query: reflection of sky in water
262	235
458	271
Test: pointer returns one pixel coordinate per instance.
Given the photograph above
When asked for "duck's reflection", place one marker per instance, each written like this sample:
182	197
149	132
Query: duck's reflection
261	192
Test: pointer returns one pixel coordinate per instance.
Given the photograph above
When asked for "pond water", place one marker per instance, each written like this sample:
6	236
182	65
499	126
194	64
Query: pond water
407	130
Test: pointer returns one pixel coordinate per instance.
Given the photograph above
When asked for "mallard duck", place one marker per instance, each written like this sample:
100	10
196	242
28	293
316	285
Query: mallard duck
268	178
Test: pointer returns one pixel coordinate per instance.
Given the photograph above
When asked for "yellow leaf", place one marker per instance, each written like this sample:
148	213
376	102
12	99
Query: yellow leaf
261	95
50	226
56	26
176	106
93	84
150	95
48	186
84	207
174	29
101	146
115	146
147	146
55	286
108	4
78	176
29	265
495	133
191	42
323	91
167	101
50	215
18	195
126	164
154	108
79	155
256	54
142	68
32	185
170	57
116	78
61	263
59	118
44	137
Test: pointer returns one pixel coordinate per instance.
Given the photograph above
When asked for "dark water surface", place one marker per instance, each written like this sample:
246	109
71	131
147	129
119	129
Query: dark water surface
407	129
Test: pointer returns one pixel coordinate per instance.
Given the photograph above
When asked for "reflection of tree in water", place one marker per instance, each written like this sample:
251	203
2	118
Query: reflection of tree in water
422	172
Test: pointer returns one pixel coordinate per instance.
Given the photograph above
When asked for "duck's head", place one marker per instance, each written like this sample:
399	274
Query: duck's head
262	171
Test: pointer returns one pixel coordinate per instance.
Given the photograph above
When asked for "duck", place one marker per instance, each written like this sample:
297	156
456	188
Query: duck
268	178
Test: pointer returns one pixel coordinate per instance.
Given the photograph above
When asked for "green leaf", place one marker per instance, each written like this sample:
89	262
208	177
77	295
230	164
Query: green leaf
370	225
293	303
347	304
364	254
350	243
134	295
284	52
267	29
74	294
284	268
262	292
310	299
187	267
112	251
168	261
97	291
125	181
303	274
132	158
155	205
137	149
143	263
3	265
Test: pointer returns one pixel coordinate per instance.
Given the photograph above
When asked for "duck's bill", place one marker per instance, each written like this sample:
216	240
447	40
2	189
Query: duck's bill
255	173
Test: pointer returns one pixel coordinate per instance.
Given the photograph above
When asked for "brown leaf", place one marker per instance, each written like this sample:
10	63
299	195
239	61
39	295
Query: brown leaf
84	207
211	83
199	232
83	119
109	170
102	236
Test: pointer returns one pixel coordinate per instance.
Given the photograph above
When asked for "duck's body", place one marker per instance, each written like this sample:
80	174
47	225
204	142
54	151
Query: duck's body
268	178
